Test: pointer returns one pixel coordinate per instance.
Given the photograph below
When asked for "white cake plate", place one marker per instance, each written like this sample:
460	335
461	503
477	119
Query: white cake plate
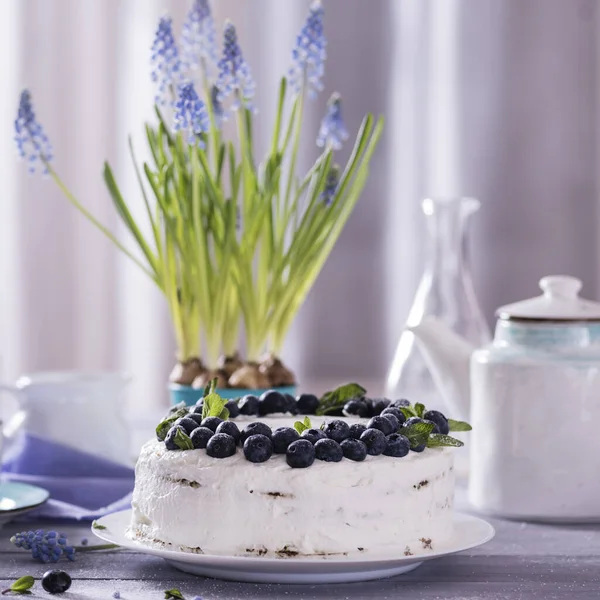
469	532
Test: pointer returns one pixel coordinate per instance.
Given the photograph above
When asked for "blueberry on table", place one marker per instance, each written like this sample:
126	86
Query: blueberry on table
248	405
254	429
313	435
56	581
300	454
258	448
271	402
187	423
390	410
307	404
220	445
328	450
419	448
200	437
198	407
380	404
197	417
233	408
337	430
229	428
356	408
290	404
381	423
354	449
282	438
393	420
396	445
212	422
403	403
170	437
374	440
356	430
435	416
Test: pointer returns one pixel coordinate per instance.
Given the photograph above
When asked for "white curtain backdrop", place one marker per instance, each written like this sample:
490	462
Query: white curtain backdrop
491	98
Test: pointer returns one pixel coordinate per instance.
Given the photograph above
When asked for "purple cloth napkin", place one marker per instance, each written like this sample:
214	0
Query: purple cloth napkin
81	485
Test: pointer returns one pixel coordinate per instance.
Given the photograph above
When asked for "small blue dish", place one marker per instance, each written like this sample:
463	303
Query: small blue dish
16	496
189	395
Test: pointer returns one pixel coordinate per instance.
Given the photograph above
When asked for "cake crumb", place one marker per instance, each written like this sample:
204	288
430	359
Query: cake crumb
421	484
407	551
426	543
361	549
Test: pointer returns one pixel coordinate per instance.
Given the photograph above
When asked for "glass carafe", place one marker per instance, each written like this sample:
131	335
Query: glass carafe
446	292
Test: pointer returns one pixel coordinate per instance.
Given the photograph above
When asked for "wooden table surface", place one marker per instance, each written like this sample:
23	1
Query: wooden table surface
523	561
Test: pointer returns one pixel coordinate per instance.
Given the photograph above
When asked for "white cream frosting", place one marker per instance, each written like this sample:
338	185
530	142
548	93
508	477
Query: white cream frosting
189	501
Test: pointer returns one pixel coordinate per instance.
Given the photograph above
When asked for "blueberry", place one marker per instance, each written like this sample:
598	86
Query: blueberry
271	402
354	449
229	428
187	423
200	436
337	430
396	445
212	422
248	405
197	408
375	441
258	448
400	403
313	435
439	419
282	438
170	437
380	404
356	430
382	424
357	408
419	448
220	445
328	451
290	404
197	417
307	404
254	429
56	581
414	420
390	410
392	419
300	454
233	408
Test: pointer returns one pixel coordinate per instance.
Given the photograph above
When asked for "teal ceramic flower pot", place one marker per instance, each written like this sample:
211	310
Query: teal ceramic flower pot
189	395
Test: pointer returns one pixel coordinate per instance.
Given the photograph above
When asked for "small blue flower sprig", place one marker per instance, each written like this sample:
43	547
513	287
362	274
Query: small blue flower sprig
51	546
231	240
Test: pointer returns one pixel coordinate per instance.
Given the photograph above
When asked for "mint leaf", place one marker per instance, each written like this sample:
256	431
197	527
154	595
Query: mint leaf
22	585
458	425
438	439
163	427
417	433
96	525
214	406
303	425
182	440
210	387
408	412
419	409
176	594
338	397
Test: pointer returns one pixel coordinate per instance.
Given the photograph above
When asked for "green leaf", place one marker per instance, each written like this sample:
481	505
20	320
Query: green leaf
408	411
418	433
214	406
96	525
458	425
174	594
338	397
419	409
211	386
303	425
438	439
182	440
163	427
22	585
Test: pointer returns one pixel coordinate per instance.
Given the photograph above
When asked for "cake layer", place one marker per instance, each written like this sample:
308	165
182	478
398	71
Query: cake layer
192	502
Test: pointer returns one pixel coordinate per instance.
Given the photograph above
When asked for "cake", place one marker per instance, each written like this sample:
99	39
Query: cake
389	501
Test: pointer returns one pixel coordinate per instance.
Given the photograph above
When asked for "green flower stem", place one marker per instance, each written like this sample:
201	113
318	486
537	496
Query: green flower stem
94	548
297	114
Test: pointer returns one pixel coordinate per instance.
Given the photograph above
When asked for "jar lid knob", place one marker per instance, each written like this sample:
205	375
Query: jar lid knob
561	286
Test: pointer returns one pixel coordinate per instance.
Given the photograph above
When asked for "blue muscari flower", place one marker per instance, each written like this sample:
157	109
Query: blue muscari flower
308	55
199	37
331	184
166	64
217	106
32	143
333	132
44	546
190	114
234	73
